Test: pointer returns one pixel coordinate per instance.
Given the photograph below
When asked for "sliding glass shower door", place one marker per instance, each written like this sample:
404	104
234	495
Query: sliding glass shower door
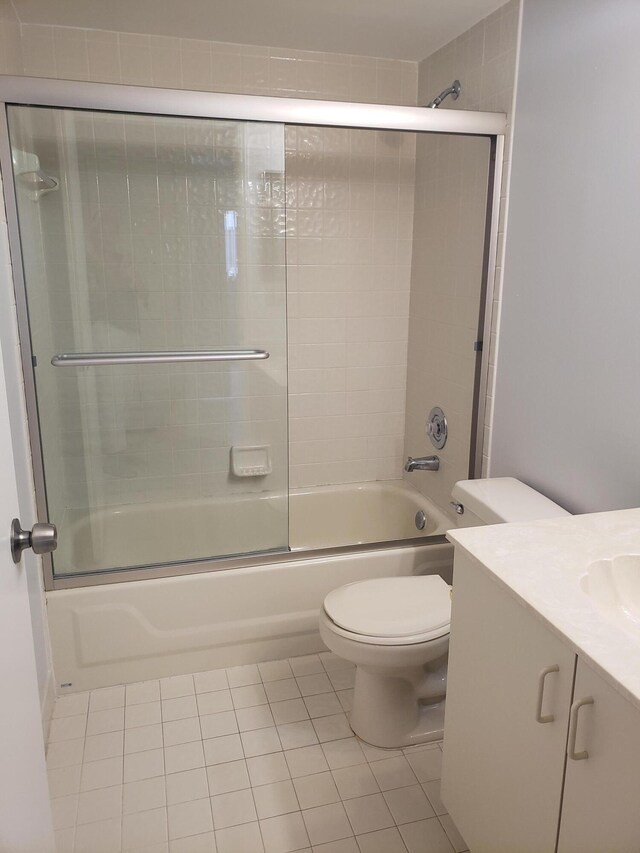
154	258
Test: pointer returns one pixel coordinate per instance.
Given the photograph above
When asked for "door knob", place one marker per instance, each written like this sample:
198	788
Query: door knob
43	538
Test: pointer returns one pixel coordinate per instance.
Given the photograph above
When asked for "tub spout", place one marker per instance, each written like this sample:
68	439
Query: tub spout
422	463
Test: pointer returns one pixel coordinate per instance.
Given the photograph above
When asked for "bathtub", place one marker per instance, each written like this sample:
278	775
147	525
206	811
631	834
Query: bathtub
115	633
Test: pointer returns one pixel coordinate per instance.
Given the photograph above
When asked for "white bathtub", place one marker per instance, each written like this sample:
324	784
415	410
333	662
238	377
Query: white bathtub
122	632
321	517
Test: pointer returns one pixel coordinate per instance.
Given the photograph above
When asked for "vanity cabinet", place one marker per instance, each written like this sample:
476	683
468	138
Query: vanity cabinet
507	779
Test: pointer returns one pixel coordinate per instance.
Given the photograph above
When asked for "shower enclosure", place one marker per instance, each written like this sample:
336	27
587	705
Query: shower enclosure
155	231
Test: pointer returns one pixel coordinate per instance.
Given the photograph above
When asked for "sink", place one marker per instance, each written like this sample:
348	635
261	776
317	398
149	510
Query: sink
614	586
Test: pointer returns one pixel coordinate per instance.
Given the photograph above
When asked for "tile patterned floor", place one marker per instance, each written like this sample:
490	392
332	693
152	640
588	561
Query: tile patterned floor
251	759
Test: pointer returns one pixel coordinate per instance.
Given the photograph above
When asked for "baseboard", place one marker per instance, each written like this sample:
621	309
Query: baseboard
47	701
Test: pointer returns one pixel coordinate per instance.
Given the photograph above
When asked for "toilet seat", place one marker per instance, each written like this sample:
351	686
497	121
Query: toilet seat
391	611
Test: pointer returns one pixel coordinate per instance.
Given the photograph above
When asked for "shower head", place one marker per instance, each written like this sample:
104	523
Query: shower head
454	90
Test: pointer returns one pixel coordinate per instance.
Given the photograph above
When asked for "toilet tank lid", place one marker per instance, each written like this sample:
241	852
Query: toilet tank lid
503	499
391	607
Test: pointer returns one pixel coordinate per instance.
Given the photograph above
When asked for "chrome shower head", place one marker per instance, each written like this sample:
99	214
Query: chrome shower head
454	90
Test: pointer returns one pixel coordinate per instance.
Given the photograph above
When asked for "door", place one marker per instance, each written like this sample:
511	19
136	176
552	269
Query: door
25	814
600	812
504	754
153	250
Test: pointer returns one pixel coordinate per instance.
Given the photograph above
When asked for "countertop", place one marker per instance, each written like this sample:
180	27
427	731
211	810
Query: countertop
541	563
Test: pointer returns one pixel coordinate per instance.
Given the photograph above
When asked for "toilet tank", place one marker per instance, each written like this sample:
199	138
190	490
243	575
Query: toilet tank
501	499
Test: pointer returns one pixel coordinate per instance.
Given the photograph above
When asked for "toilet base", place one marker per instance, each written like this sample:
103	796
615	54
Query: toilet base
388	713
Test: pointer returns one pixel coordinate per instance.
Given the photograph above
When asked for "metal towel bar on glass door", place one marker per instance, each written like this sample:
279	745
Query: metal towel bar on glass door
92	359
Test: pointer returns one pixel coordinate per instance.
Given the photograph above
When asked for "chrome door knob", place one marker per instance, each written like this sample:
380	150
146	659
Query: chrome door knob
43	538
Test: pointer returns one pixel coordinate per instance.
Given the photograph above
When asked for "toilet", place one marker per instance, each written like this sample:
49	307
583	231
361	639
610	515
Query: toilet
396	629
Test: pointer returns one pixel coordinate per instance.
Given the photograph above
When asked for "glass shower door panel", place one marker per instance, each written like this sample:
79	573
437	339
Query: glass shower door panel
154	260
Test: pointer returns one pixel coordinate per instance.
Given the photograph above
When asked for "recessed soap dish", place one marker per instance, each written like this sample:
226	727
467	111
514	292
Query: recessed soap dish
251	461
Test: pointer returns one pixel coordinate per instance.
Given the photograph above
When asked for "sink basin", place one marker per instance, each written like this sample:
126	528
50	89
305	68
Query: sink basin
614	586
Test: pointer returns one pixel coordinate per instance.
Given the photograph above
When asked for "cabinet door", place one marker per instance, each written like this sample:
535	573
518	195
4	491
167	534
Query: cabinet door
502	774
601	804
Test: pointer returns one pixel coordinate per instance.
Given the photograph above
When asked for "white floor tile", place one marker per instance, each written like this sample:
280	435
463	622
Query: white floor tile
240	839
316	790
275	670
432	790
181	731
260	742
457	841
108	745
322	705
144	828
207	682
345	845
64	840
368	813
64	753
176	686
187	785
289	711
333	727
427	765
240	676
218	725
215	702
246	697
144	714
425	836
219	750
294	735
275	799
408	804
101	804
68	728
99	722
143	738
258	717
179	709
306	761
284	834
64	780
333	662
233	808
306	665
183	756
393	773
310	685
345	697
342	679
143	765
327	823
142	693
71	705
103	836
105	698
382	841
268	768
376	753
343	753
204	843
279	691
101	774
355	781
144	795
190	818
224	778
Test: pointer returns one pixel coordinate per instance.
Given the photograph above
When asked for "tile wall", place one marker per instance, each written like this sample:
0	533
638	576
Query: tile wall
447	259
349	229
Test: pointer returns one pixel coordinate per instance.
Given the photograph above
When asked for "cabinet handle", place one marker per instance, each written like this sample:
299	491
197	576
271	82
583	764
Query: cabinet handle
540	717
573	730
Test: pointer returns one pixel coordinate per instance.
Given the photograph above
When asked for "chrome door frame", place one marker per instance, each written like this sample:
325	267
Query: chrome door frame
96	97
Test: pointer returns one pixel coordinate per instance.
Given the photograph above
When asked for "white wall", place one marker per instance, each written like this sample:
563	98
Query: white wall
567	411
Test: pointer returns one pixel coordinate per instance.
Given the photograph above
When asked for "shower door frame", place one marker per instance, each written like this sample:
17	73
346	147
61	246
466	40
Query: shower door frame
179	103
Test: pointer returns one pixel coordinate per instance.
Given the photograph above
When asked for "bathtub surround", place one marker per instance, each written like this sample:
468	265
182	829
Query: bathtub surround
447	260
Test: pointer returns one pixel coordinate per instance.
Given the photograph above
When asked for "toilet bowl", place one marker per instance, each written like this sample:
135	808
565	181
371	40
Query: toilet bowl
396	630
